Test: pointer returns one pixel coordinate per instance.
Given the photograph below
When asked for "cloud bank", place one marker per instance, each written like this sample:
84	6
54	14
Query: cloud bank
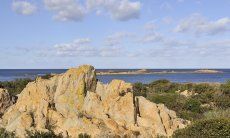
73	10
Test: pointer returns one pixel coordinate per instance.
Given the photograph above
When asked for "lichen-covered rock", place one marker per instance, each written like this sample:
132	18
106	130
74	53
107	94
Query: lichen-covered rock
74	103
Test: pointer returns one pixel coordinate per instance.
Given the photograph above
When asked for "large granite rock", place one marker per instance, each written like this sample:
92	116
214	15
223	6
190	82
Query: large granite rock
74	102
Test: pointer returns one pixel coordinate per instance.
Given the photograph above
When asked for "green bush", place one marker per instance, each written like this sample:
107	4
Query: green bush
139	89
37	134
217	113
225	88
204	98
47	76
15	87
187	108
222	101
186	86
203	87
205	128
6	134
188	115
172	100
161	86
84	135
192	105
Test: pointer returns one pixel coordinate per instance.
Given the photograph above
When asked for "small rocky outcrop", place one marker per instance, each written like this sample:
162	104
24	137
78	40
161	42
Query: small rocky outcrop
186	93
74	102
5	100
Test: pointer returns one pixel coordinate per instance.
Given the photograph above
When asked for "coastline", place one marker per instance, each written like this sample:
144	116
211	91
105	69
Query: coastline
133	75
144	71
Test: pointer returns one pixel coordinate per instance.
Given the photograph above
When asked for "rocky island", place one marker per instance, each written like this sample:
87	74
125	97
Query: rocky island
210	71
75	103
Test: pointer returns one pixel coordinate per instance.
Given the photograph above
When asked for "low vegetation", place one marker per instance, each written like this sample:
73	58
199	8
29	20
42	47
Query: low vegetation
37	134
15	87
208	108
214	128
84	135
5	134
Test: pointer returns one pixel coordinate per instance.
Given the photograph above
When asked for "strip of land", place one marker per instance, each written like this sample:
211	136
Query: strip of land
145	71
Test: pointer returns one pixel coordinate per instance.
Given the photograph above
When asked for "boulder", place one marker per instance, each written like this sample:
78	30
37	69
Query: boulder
75	103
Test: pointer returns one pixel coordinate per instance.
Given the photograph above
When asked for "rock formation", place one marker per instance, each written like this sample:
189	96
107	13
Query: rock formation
186	93
5	100
74	103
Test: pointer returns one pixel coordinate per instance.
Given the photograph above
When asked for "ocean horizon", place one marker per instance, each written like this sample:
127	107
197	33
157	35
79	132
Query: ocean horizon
178	76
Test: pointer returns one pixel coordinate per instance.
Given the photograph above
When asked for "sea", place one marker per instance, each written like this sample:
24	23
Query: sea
180	76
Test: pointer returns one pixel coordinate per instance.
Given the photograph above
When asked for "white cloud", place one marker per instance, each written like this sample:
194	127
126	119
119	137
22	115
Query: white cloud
111	52
82	48
66	10
79	47
117	38
74	10
197	24
126	10
82	41
175	42
121	10
152	37
24	7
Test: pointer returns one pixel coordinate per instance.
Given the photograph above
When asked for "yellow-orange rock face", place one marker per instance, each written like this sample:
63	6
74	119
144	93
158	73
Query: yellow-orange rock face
74	102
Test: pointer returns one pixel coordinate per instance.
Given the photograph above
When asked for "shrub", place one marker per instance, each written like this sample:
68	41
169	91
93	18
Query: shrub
203	87
47	76
204	97
188	115
37	134
217	113
139	89
171	100
225	88
84	135
192	105
205	128
185	108
161	86
15	87
186	86
222	101
6	134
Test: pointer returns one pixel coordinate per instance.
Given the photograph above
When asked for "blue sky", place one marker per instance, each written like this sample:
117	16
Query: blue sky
115	33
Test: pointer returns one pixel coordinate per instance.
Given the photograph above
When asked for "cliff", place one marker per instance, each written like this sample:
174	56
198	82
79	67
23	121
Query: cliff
75	102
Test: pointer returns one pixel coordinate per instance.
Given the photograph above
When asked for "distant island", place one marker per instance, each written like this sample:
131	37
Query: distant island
146	71
207	71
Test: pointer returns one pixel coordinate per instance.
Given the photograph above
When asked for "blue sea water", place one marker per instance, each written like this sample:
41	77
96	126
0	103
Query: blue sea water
12	74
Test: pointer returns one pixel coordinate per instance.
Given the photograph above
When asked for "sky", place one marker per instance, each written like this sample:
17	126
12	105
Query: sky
56	34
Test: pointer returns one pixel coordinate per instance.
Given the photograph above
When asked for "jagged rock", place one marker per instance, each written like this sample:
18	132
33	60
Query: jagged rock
5	100
74	102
